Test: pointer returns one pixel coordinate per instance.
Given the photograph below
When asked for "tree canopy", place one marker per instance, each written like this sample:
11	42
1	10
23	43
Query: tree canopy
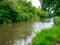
49	5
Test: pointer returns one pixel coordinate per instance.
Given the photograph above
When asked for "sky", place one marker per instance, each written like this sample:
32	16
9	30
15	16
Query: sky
35	3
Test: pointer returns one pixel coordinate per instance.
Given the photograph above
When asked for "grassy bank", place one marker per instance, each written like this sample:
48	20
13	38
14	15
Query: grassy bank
48	36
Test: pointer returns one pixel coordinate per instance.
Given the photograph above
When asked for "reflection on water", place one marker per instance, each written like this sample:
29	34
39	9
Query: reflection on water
10	33
20	33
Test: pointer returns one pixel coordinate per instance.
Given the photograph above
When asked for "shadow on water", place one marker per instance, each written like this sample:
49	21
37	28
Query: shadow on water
20	33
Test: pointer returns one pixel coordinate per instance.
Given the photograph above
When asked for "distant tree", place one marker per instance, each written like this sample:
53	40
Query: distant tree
49	5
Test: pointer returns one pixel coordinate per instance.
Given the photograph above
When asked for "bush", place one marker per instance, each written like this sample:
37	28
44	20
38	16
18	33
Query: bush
7	15
14	11
57	20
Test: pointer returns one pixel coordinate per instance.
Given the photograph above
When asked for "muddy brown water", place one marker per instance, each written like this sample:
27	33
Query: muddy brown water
21	33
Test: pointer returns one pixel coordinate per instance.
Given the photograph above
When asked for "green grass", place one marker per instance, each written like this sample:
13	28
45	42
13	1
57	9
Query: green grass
48	36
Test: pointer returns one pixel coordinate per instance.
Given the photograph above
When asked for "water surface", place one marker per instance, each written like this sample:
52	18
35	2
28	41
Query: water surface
21	33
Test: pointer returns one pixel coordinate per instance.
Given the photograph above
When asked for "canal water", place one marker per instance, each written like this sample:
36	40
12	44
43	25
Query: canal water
21	33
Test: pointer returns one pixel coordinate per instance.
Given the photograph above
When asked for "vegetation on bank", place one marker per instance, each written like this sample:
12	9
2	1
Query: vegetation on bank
57	20
48	36
19	10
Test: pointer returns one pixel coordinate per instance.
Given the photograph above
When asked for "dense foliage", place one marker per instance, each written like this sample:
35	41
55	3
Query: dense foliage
51	5
19	10
57	20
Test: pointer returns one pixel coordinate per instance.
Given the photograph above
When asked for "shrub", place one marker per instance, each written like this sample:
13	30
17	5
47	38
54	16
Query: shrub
19	10
57	20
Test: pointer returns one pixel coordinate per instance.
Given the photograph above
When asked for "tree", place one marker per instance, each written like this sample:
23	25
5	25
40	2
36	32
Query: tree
49	5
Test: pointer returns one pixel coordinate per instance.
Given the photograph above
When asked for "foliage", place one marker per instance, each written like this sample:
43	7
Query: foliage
51	5
57	19
19	10
7	15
